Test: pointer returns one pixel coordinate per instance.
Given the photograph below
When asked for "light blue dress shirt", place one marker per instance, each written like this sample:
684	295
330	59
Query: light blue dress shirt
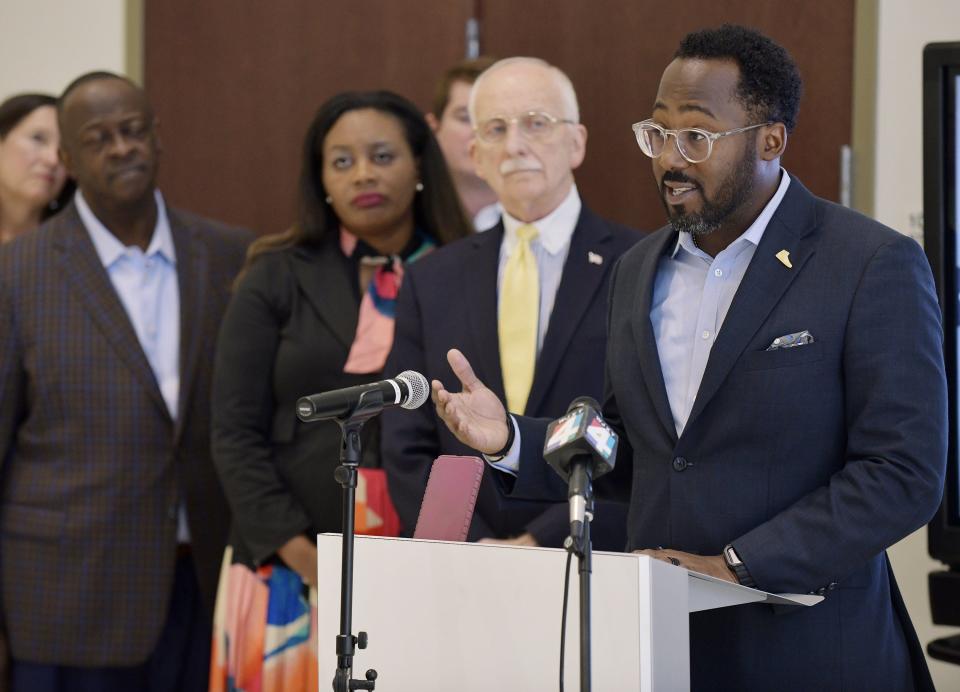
692	293
146	283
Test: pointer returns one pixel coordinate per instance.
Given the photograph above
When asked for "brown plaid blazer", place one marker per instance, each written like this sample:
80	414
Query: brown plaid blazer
92	467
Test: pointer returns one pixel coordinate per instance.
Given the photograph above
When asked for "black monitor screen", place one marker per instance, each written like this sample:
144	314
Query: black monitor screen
951	181
941	190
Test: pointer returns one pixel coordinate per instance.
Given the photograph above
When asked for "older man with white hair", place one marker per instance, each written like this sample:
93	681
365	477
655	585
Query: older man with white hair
525	301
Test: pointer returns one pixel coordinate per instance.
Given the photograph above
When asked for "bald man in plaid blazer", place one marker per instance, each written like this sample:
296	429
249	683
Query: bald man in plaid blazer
96	471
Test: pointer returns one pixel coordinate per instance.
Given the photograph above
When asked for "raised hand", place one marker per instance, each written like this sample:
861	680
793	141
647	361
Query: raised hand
475	415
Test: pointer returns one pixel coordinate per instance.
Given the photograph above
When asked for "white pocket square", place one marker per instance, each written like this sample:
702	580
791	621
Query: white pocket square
791	340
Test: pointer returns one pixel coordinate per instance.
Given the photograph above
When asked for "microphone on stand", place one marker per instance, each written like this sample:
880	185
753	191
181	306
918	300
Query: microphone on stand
351	407
580	447
409	390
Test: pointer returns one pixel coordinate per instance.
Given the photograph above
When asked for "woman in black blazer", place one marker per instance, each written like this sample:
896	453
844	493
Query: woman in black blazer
312	311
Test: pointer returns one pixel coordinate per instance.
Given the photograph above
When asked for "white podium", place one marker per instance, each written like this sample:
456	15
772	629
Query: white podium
484	618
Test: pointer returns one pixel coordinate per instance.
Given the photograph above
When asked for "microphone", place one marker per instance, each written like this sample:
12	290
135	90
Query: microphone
580	447
409	389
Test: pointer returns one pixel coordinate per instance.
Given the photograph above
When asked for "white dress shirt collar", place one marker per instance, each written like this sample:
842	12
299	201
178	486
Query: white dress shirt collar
109	248
555	229
487	217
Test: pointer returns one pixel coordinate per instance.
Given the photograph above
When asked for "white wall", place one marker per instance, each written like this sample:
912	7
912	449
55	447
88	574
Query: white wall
904	27
44	44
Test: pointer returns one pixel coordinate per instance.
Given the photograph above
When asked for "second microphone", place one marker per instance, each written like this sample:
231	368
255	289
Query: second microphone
409	389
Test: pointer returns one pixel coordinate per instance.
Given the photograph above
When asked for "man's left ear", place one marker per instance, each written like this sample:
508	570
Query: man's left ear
579	149
774	141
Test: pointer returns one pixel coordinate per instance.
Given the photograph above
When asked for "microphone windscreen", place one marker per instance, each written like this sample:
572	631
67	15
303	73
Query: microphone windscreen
418	387
584	401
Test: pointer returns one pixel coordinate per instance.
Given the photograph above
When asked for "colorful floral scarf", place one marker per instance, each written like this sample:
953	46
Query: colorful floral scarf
374	336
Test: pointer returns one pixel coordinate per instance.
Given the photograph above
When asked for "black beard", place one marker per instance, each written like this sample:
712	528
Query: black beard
734	190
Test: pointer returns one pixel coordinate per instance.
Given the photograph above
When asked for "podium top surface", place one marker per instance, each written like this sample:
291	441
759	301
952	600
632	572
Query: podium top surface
705	592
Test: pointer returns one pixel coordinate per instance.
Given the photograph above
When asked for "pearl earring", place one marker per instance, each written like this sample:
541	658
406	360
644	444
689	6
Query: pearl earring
419	186
329	199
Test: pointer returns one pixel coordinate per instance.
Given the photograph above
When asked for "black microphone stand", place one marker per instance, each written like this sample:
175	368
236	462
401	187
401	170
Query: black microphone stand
370	404
582	547
579	446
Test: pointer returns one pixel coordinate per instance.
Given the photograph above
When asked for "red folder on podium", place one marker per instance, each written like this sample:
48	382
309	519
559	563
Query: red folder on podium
450	497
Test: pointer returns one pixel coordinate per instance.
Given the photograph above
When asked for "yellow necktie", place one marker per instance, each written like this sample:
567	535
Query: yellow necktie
518	320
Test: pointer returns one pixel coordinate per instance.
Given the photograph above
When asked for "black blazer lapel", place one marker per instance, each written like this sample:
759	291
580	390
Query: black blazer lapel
192	273
327	282
765	281
581	280
646	340
480	292
81	264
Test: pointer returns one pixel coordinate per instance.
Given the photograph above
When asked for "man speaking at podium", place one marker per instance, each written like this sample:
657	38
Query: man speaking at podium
775	372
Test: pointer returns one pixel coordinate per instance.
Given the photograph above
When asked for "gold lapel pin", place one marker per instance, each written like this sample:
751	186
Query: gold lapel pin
594	258
784	257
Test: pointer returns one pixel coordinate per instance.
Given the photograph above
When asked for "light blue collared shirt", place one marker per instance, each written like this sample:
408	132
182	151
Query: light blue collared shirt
146	283
692	293
550	249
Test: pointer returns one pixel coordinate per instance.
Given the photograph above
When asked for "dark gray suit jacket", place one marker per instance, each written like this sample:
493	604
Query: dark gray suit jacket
93	467
810	460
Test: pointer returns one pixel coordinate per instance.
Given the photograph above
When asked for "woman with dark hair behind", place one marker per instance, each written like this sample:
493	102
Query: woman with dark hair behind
313	311
31	175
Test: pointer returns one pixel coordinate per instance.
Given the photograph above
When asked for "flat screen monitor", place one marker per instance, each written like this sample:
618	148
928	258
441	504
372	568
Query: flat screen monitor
941	141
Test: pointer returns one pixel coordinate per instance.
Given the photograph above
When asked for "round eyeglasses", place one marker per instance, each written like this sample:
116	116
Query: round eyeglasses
533	124
695	145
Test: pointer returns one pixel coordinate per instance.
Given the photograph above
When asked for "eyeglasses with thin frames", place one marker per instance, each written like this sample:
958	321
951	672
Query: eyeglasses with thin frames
532	124
694	144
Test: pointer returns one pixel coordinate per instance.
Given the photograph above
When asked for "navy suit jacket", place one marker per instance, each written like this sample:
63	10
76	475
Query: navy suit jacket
449	299
810	460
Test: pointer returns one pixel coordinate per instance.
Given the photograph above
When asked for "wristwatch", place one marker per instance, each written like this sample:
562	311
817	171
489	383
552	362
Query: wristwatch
737	567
